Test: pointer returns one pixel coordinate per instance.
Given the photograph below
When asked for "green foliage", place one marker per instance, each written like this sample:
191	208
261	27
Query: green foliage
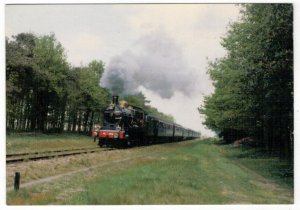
86	98
138	100
50	82
154	112
19	74
51	65
44	93
254	82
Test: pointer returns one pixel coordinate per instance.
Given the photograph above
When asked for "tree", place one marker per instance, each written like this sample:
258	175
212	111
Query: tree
51	70
36	70
86	99
19	73
254	82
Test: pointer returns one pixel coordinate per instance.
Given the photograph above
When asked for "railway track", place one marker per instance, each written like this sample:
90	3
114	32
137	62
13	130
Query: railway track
20	157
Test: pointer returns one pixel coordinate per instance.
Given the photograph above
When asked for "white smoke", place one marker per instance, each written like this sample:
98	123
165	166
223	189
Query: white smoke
157	64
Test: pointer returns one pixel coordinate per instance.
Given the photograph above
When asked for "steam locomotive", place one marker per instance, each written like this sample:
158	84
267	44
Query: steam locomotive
126	125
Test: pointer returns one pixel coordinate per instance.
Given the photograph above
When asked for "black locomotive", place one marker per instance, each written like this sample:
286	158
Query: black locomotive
126	125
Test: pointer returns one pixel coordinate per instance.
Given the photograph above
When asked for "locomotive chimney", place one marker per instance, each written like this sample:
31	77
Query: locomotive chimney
115	100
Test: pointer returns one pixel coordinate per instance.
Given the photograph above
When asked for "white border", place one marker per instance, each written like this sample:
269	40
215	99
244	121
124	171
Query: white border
171	207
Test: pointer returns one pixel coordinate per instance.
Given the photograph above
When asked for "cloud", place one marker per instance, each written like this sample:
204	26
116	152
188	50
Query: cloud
197	27
158	66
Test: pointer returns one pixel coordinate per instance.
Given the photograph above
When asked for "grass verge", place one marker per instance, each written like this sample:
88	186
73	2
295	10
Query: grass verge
34	142
257	160
198	172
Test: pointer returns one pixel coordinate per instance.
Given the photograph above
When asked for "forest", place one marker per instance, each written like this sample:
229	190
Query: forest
45	93
253	84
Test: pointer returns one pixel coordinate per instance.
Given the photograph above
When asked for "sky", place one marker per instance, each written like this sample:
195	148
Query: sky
160	49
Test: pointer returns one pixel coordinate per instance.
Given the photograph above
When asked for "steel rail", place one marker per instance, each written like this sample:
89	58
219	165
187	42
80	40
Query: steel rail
50	154
44	152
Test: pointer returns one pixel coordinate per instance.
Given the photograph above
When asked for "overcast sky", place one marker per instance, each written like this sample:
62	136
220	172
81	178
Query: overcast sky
160	49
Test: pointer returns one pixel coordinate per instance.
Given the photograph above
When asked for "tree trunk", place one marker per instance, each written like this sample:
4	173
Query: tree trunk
34	111
79	122
91	123
43	110
86	118
62	114
74	121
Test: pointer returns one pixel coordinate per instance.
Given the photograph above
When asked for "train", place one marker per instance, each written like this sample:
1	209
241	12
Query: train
125	125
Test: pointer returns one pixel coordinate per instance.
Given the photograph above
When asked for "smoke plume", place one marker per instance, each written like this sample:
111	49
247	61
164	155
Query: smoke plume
157	64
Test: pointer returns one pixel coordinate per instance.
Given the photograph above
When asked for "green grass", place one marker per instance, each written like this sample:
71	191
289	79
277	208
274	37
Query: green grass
196	173
24	197
256	159
32	142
